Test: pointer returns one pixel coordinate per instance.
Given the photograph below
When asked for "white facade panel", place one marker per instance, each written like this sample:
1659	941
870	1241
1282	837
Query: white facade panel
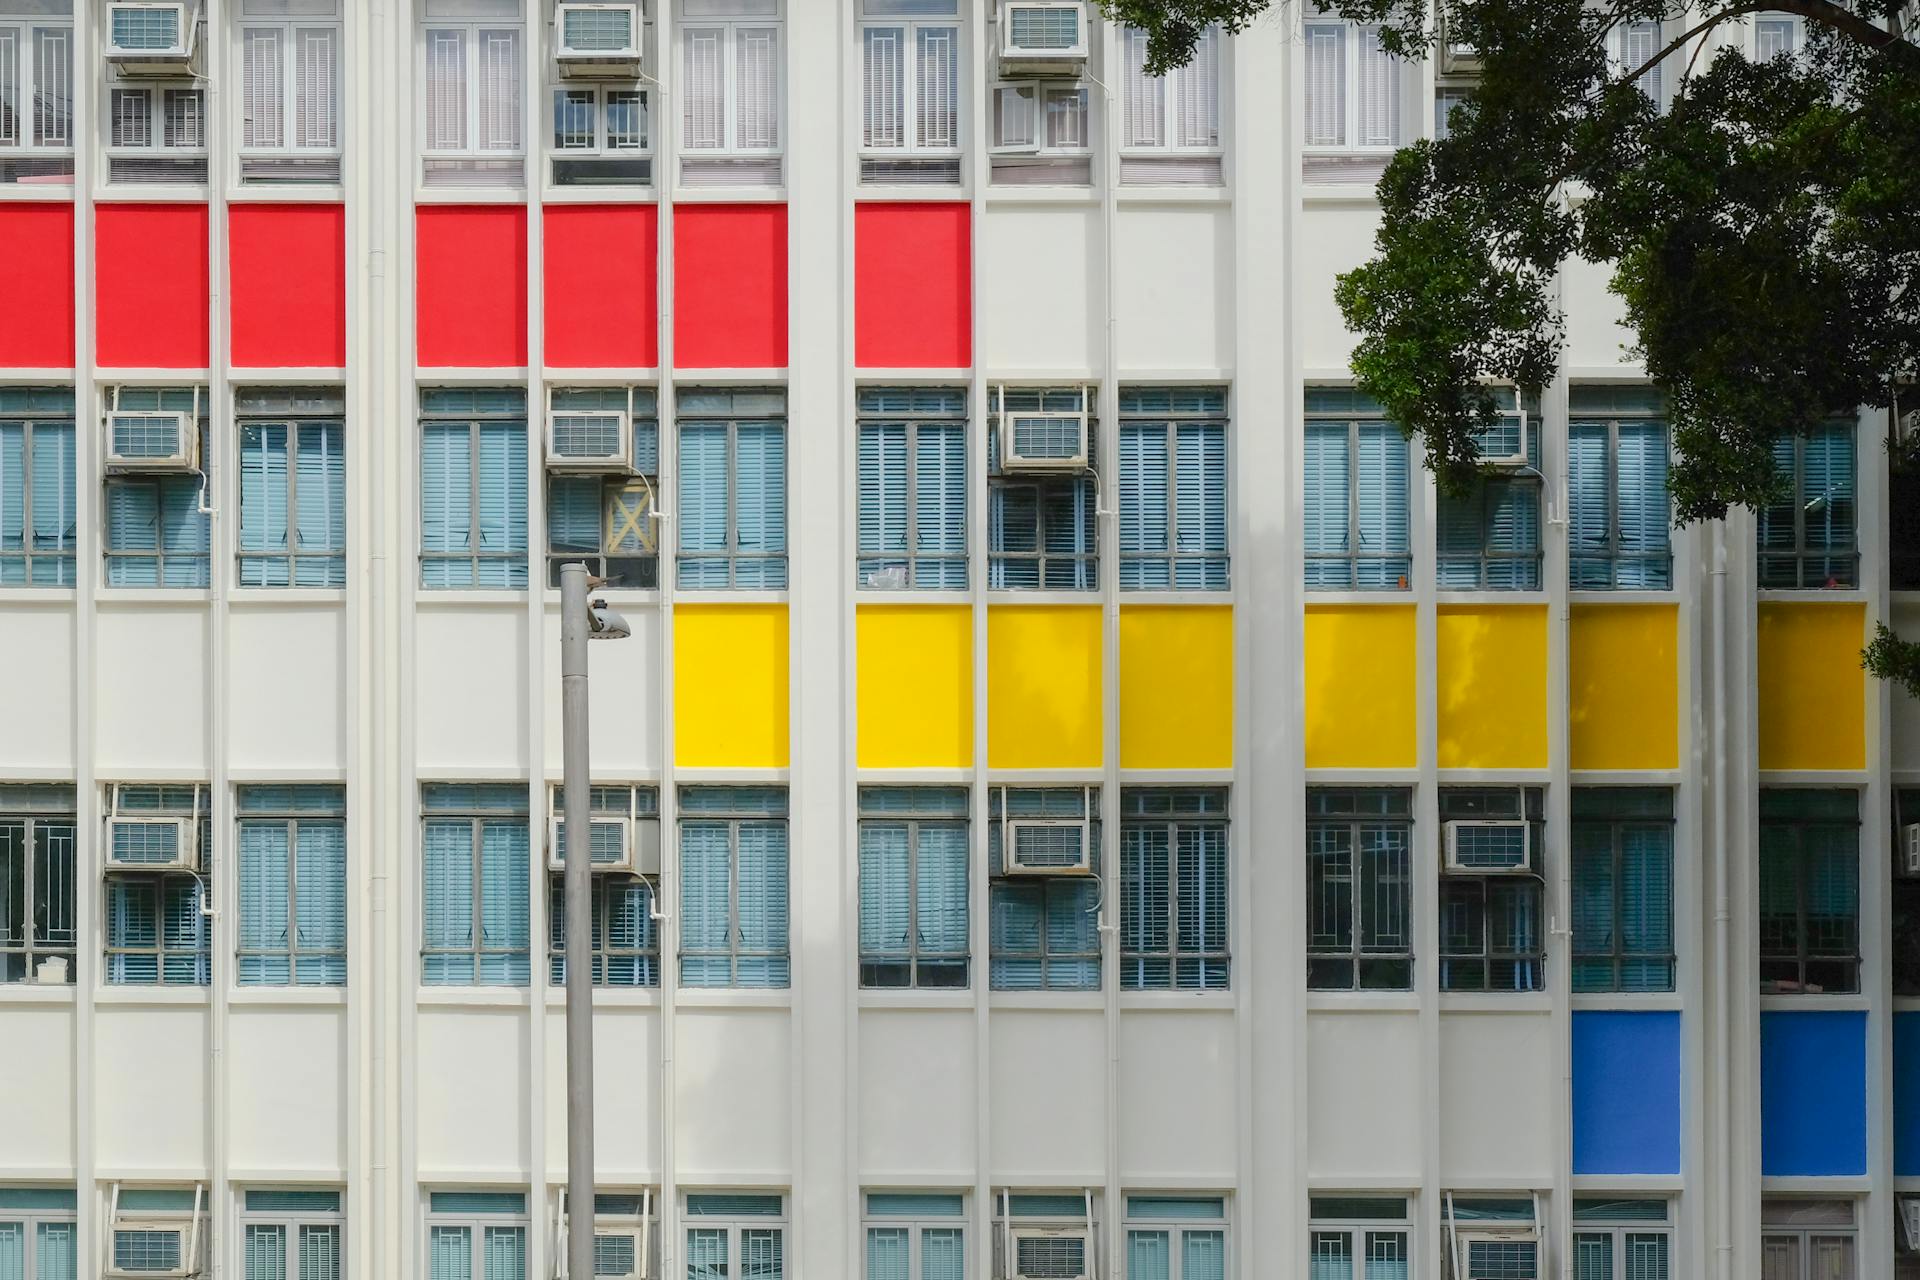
1365	1075
1333	237
292	664
470	1085
36	1107
626	1092
38	641
151	1088
1178	1097
1498	1126
733	1072
917	1103
1049	1086
1040	287
287	1108
1175	286
458	650
625	717
151	690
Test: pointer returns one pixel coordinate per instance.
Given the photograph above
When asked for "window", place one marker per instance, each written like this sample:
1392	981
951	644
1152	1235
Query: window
1622	889
1041	134
293	488
733	887
1630	46
1498	1239
1176	1237
474	886
1359	1238
1356	516
916	1236
626	1240
1044	929
1352	102
1809	538
470	110
156	1229
1619	511
1049	1233
1903	514
36	90
37	1233
1173	488
37	498
293	885
1809	891
626	937
1041	523
476	1235
606	521
602	136
291	1235
158	526
1906	894
1808	1240
289	91
158	930
913	488
1174	904
913	887
735	1235
1170	124
1621	1240
733	489
1359	889
910	107
1489	536
1447	99
473	487
156	134
730	104
1491	932
37	928
1775	35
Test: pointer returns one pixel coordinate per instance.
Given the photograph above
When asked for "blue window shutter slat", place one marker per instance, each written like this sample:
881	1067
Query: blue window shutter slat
763	904
322	465
185	532
13	486
1201	858
263	487
761	454
502	503
504	1251
1071	927
884	888
1593	899
704	487
1646	904
1829	475
55	1254
1776	521
883	488
447	899
942	1253
887	1254
706	903
1589	531
940	502
1646	517
1143	487
185	931
1203	1256
1202	473
1016	916
504	911
573	515
941	883
54	499
321	884
1382	491
1149	1255
1325	523
263	901
450	1254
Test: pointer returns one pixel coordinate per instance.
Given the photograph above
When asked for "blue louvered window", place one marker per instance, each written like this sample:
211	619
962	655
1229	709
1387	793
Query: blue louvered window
733	887
1173	489
1176	1237
473	487
292	846
1489	535
1174	904
1043	929
1492	926
1809	891
1042	527
1359	889
1358	1238
1809	536
157	931
735	1235
291	1235
476	1235
913	887
1623	1239
1623	889
626	937
475	891
1355	520
38	930
916	1236
293	489
913	488
1619	512
37	1234
732	507
606	522
159	525
37	484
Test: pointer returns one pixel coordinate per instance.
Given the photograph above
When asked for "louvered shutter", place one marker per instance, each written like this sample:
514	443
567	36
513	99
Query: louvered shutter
1645	508
185	533
262	94
1068	532
505	1253
1829	477
573	515
446	891
1588	528
1513	525
446	497
447	90
707	1253
185	929
1196	94
1146	888
703	121
706	903
133	920
940	876
888	1257
265	1252
1646	907
500	109
885	886
1143	504
504	910
320	884
320	522
263	903
502	504
705	498
1200	866
1012	513
761	517
316	104
1143	97
1203	1256
1072	908
1201	494
53	82
1639	42
757	88
937	105
1149	1256
942	1253
13	506
763	904
883	489
263	504
1326	87
940	505
54	1254
54	512
1594	923
1325	520
319	1253
1379	92
884	86
1381	486
133	524
1016	914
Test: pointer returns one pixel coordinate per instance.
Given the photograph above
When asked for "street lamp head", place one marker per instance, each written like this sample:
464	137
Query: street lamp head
606	624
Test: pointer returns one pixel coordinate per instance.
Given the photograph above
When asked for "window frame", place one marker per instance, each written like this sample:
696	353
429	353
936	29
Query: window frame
34	1221
64	557
915	1226
1617	955
1801	553
1802	956
1354	825
21	810
1001	886
290	28
160	96
161	485
477	1223
477	817
733	1228
1135	1221
735	818
475	557
1209	46
1136	961
1611	555
24	31
635	803
1481	894
1803	1235
643	520
1353	37
293	1225
1044	89
959	962
291	817
602	147
868	563
332	559
731	554
731	28
1357	1231
163	885
1078	490
1355	556
1488	489
1174	424
1618	1232
472	31
910	27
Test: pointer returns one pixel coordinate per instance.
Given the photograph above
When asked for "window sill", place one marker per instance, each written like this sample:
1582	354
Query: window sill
1139	193
1177	1002
61	189
730	195
733	998
1627	1001
474	997
29	596
1338	193
911	596
155	595
1401	596
1635	596
1015	194
289	997
632	597
1363	1002
1092	599
957	999
1445	597
116	994
1821	1002
1804	595
611	193
1496	1002
267	597
288	193
158	193
1049	1001
1159	597
709	596
608	997
25	993
911	193
464	597
516	194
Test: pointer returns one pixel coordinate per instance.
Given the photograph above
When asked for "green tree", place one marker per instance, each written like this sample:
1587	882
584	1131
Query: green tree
1762	224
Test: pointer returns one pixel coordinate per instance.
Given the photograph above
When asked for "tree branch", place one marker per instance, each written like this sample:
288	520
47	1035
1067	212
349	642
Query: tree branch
1827	14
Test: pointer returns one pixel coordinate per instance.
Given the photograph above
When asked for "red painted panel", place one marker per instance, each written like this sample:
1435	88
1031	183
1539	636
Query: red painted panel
471	282
36	286
912	287
602	279
150	285
287	271
730	286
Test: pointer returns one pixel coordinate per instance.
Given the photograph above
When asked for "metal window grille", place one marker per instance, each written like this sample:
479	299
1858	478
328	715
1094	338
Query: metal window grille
1492	928
36	99
292	1235
914	856
157	928
1359	890
1809	538
1623	889
38	930
912	488
476	1235
1358	1238
1809	891
626	937
1042	930
735	1235
1175	904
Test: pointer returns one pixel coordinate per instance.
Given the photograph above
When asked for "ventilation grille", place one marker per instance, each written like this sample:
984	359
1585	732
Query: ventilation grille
1030	27
702	171
1343	170
911	173
264	171
52	170
597	30
470	171
156	28
609	171
1024	171
1170	171
1051	1257
157	170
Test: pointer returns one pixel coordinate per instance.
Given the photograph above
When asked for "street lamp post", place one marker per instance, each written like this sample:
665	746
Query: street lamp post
580	621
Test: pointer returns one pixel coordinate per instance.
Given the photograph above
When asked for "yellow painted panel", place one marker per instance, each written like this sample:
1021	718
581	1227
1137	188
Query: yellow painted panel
915	674
730	686
1491	669
1043	687
1360	685
1176	687
1623	687
1813	696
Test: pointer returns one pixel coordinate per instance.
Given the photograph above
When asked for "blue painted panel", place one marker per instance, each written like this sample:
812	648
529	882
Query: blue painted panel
1906	1095
1626	1093
1813	1094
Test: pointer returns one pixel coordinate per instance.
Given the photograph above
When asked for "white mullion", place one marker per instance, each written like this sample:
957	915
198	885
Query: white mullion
289	94
470	70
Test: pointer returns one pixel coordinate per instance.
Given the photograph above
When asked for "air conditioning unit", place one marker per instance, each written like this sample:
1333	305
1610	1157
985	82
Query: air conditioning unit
155	440
148	39
1907	860
610	846
1047	847
1043	439
1051	1253
1478	1266
1910	1223
1489	846
595	440
598	41
144	1249
154	842
1043	38
1505	443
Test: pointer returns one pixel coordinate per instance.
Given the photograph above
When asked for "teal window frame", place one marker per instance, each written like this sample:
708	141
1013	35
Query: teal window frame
292	1235
727	541
38	844
1623	911
285	548
728	941
159	528
1809	890
1176	901
1807	540
1493	928
1360	889
914	927
463	826
911	489
1622	1239
722	1227
1357	526
1042	933
487	548
1175	489
1042	530
1359	1237
157	933
626	935
1620	515
1492	537
291	846
608	522
39	1233
915	1236
39	518
1176	1237
476	1235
